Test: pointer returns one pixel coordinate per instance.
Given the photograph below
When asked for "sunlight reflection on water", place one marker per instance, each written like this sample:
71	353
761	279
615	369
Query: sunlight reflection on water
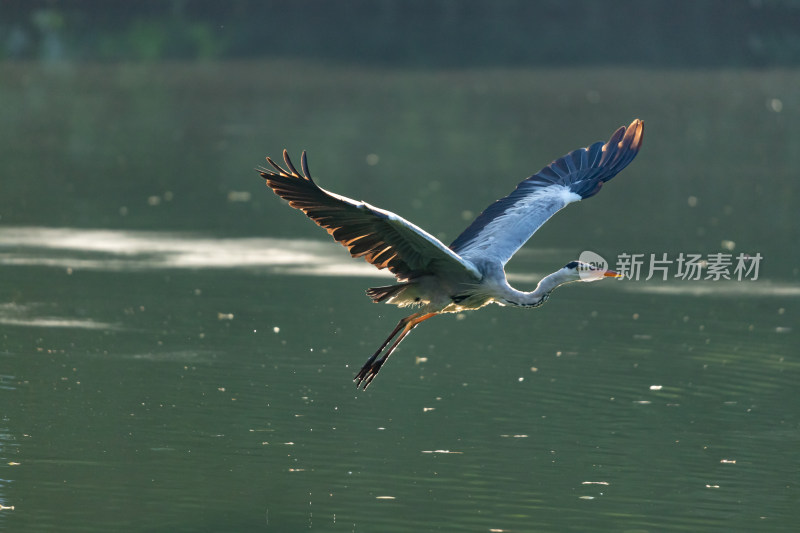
120	250
12	314
138	250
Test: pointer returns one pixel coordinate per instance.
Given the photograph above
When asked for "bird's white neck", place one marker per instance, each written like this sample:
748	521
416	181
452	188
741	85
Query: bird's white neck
539	295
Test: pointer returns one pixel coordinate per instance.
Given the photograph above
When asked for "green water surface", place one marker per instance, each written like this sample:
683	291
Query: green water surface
177	345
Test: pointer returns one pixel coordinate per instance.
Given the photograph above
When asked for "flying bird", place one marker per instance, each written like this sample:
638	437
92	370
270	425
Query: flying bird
434	278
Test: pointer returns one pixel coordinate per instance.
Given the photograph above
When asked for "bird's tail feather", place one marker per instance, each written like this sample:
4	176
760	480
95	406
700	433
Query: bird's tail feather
381	294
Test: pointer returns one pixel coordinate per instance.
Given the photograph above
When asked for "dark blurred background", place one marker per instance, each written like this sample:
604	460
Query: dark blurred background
422	33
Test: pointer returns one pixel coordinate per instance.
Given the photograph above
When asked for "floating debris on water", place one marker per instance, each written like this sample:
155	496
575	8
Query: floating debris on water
442	451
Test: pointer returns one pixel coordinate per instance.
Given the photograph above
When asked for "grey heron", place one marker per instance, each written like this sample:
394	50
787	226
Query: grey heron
435	278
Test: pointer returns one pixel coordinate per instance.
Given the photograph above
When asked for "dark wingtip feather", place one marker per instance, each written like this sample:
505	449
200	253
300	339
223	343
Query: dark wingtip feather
616	136
289	163
276	166
617	153
289	172
634	135
304	164
636	129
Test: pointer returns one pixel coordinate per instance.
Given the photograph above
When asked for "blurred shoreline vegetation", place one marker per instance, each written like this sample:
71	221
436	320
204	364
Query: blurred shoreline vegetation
411	33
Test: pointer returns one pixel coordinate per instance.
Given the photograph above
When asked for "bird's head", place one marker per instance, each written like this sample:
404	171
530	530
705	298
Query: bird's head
580	271
571	272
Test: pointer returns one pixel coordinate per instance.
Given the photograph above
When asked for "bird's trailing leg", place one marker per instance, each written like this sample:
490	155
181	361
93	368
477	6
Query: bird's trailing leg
374	363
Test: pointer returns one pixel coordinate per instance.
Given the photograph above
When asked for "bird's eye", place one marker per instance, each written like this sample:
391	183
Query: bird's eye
571	264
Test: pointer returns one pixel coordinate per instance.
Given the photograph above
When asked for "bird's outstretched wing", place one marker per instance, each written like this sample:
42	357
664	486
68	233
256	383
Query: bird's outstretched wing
383	238
508	223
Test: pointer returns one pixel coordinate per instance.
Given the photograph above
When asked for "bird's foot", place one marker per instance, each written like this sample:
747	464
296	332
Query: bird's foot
368	373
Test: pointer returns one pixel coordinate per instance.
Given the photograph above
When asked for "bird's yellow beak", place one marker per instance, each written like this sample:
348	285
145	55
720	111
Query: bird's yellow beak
611	274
